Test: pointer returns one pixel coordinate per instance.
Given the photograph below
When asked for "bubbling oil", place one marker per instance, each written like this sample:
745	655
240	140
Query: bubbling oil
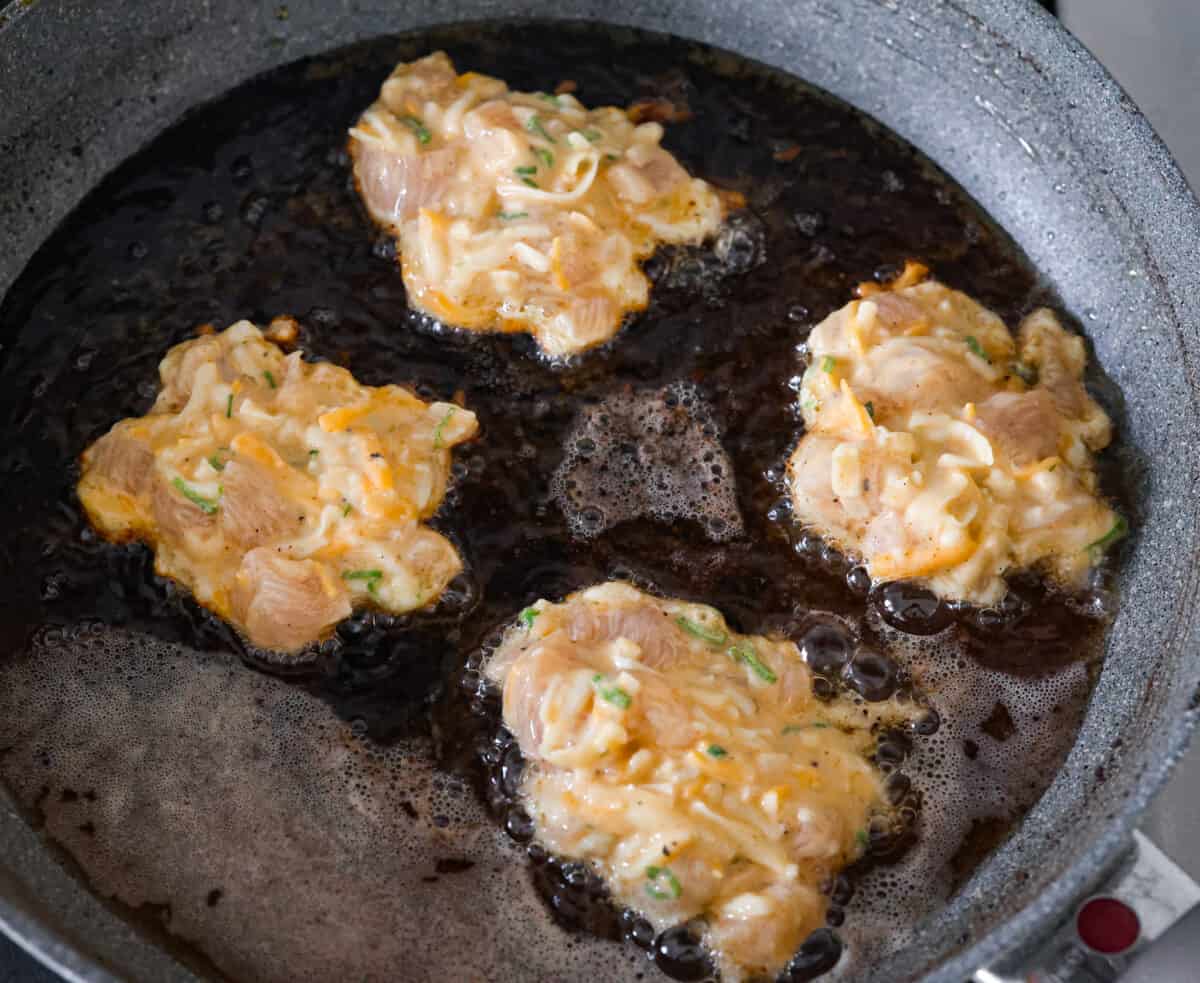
330	805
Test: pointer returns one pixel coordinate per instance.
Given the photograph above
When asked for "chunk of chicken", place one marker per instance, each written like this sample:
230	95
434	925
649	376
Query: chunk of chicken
284	604
521	211
650	629
396	187
280	492
678	758
1022	426
126	464
934	454
254	510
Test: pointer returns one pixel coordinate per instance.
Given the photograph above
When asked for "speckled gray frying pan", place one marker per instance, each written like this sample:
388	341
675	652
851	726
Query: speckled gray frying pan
995	92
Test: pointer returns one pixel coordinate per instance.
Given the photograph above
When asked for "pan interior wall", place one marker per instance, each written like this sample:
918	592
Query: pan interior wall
64	340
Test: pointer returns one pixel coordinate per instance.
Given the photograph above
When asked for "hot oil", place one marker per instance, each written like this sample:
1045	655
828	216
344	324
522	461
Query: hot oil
245	209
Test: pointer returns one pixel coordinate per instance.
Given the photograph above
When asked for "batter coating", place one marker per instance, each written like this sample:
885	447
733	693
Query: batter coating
281	492
940	449
521	211
690	765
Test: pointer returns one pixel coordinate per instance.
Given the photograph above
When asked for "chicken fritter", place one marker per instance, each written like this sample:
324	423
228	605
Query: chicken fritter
282	493
521	211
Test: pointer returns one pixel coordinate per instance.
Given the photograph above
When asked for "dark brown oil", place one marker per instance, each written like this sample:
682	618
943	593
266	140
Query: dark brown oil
245	209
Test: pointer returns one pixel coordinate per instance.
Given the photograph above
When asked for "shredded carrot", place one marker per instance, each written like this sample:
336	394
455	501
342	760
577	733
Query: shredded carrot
920	562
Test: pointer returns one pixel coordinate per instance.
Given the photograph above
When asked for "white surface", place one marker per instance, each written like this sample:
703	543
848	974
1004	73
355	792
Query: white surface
1152	47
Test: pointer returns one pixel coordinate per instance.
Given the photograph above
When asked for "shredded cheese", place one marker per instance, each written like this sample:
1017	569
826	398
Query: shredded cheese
476	181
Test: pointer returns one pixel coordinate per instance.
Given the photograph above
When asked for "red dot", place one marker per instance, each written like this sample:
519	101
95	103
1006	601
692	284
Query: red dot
1107	925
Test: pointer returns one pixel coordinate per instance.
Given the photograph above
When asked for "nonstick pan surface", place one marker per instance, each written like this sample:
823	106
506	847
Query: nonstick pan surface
996	94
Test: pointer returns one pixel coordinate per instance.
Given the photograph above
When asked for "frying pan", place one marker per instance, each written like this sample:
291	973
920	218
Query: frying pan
994	92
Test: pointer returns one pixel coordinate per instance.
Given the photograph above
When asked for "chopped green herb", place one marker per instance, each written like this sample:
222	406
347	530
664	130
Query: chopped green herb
372	577
536	127
710	635
716	751
437	431
525	170
270	378
544	156
744	653
529	182
797	728
229	407
206	505
862	838
216	463
828	363
547	97
612	694
511	216
528	616
313	452
976	348
1027	373
870	408
415	124
347	509
610	157
662	875
1119	530
592	136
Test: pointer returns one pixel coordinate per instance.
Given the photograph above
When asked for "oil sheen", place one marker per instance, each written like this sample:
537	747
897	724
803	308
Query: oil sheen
334	804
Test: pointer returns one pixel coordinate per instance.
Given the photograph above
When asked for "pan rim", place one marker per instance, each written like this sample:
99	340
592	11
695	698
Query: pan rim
19	922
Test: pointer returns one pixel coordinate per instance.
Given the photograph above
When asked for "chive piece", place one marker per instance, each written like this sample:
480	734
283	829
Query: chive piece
828	363
510	216
716	751
529	182
216	463
346	509
414	123
372	577
870	408
313	452
862	839
544	156
1119	530
535	126
592	136
437	431
976	348
525	170
270	378
673	888
229	407
797	728
744	653
612	694
528	616
610	157
701	632
206	505
1027	373
547	97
